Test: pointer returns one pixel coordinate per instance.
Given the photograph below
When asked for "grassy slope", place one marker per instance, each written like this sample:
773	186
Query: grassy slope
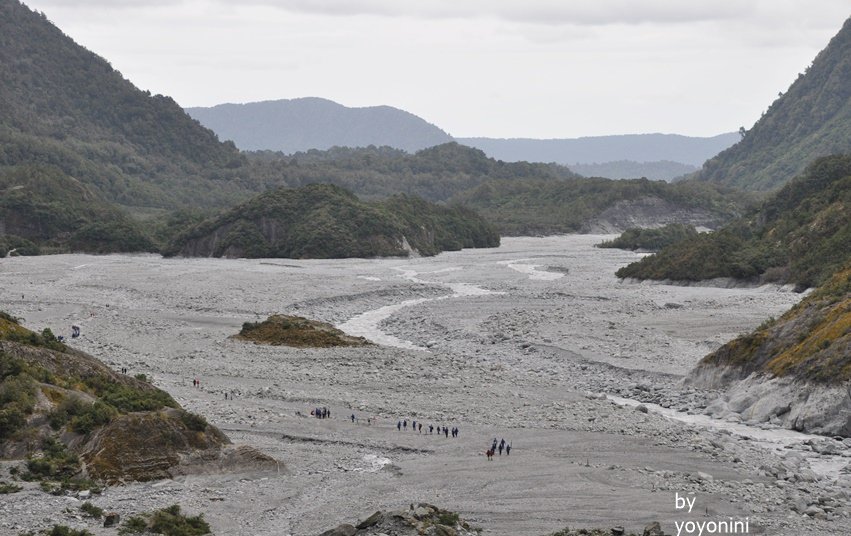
812	341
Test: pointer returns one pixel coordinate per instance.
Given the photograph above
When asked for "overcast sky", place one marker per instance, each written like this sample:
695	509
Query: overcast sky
496	68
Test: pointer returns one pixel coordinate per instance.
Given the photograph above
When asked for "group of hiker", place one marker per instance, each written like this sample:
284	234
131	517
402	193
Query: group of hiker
75	332
321	413
418	427
502	445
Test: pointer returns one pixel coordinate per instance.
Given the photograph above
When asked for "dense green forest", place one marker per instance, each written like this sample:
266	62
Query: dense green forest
44	210
799	235
812	119
326	221
435	174
651	239
65	106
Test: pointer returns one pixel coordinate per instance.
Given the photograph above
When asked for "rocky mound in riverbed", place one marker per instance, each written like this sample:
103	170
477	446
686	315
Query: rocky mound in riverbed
73	418
286	330
421	520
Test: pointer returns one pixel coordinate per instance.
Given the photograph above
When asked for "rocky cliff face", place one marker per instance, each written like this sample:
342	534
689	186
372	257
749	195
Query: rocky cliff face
649	212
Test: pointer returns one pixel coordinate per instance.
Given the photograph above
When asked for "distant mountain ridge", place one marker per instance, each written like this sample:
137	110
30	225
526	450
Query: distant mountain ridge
308	123
300	125
812	119
598	149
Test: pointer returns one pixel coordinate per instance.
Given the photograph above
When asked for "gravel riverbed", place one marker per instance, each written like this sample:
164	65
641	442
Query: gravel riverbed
522	342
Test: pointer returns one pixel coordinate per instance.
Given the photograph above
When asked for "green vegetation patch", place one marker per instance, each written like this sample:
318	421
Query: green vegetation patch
168	522
651	239
54	462
7	488
91	510
285	330
17	396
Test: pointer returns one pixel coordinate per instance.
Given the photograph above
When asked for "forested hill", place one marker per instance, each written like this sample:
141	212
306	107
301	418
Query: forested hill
323	221
302	124
65	106
812	119
800	235
435	174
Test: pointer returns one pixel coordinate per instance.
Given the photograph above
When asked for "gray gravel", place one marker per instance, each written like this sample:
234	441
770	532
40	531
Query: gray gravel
525	362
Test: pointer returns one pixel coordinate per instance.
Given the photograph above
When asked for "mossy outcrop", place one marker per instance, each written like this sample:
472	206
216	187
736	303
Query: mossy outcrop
286	330
114	427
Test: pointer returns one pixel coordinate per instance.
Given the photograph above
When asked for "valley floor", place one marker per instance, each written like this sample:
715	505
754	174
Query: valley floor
514	343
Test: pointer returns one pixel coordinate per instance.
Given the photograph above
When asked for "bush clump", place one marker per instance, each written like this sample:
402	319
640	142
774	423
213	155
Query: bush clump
168	522
7	488
91	510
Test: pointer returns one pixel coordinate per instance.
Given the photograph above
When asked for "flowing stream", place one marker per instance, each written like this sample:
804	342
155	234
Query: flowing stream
780	440
367	324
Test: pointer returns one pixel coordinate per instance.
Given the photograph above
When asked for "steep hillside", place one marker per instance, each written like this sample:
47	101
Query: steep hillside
325	221
297	125
518	207
75	420
799	235
66	107
601	149
812	119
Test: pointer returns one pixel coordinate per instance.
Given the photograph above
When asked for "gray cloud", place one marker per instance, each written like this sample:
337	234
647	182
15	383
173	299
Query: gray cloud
550	12
539	12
